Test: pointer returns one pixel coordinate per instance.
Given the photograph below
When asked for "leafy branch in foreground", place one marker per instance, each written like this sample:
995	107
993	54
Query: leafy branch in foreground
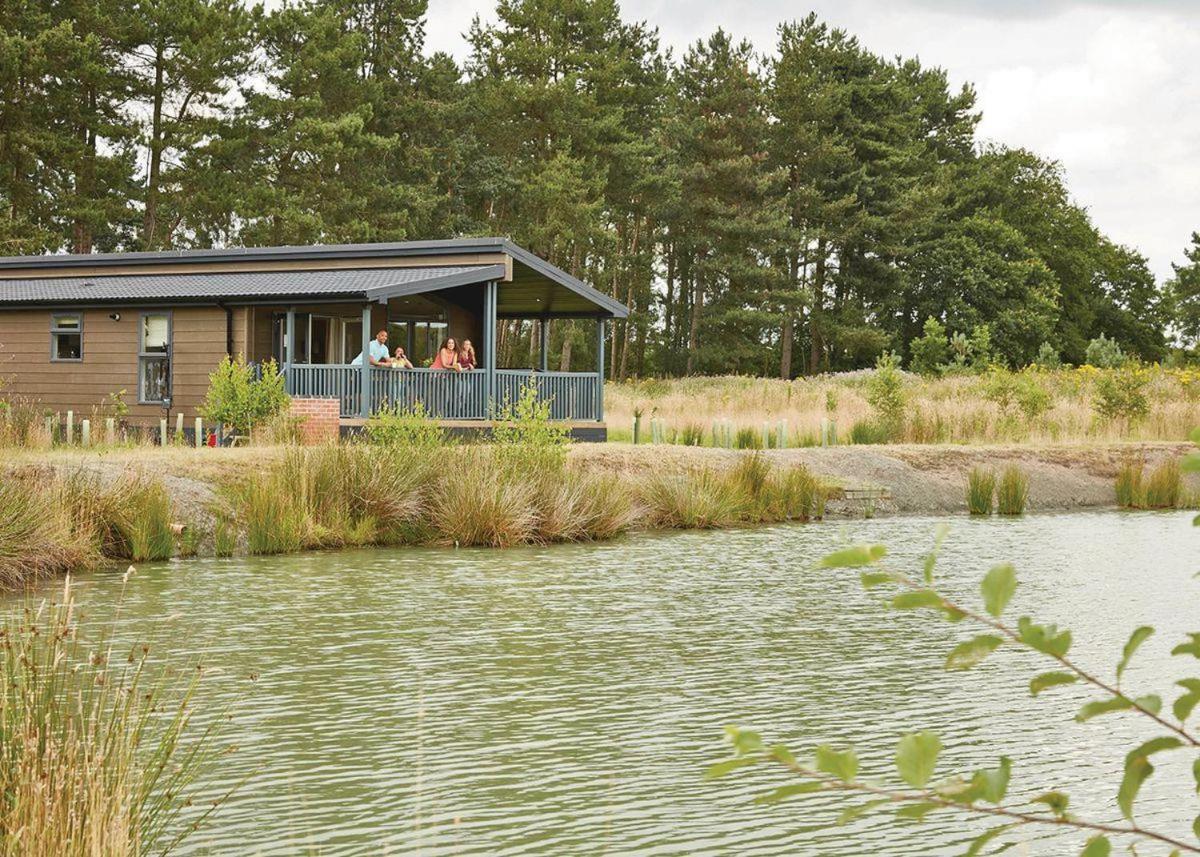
983	792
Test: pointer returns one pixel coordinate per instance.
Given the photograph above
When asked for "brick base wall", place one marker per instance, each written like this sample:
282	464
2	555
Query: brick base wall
320	419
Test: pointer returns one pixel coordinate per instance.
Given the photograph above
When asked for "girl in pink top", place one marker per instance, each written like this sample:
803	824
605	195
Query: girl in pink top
466	355
447	356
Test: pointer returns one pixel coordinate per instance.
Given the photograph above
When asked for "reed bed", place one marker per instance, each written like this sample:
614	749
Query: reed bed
1012	491
1050	406
1162	489
52	523
981	490
491	496
97	755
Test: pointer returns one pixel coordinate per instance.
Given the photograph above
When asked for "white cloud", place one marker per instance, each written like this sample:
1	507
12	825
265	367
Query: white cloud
1107	87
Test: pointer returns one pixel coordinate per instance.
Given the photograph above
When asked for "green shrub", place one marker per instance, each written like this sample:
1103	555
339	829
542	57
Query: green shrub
1012	491
1121	394
526	437
410	427
1047	357
981	488
237	400
1104	353
886	395
931	350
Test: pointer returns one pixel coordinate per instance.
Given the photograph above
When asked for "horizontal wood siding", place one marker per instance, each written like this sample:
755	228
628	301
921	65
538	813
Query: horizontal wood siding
109	360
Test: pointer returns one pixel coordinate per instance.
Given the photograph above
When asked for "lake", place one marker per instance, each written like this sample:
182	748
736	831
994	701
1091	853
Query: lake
568	699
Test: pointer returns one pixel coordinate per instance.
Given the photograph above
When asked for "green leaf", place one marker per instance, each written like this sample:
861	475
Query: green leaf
1046	639
1196	774
916	756
968	654
1192	647
998	587
1194	436
1102	706
1051	679
1139	636
1138	769
1196	827
1150	702
871	579
992	784
1056	801
743	740
843	765
720	769
854	557
852	812
917	811
981	841
782	754
789	790
917	599
1097	846
1184	706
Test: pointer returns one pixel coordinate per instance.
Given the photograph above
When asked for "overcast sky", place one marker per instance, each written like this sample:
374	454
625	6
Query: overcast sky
1110	88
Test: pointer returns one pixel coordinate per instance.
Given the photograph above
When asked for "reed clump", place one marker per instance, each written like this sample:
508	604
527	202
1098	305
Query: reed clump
97	755
1161	489
750	492
52	523
1012	491
981	490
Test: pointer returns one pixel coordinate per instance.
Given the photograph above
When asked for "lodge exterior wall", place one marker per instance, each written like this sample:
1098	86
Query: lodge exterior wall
110	360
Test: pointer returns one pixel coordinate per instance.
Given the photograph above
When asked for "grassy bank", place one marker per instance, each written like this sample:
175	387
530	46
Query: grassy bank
1032	406
58	519
97	754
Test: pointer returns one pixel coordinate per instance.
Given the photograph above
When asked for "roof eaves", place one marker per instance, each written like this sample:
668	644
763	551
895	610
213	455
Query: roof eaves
558	275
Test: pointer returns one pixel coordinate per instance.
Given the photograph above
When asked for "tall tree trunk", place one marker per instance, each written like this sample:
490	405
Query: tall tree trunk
150	218
694	328
785	345
564	362
814	314
669	303
625	339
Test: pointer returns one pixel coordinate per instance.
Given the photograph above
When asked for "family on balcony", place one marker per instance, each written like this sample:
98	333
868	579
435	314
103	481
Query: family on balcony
451	355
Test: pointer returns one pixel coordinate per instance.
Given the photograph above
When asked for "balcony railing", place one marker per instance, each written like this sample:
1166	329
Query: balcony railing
446	395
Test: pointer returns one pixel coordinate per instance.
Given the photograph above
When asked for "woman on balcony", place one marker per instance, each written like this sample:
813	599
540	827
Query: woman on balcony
447	356
400	359
466	355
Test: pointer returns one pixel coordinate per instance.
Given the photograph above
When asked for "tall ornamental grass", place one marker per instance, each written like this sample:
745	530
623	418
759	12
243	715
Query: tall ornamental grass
1162	489
1012	491
981	490
98	755
52	523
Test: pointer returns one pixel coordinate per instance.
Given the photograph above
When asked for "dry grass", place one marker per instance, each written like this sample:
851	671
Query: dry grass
954	409
97	757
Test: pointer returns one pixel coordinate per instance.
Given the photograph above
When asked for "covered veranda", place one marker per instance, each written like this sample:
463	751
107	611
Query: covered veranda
316	336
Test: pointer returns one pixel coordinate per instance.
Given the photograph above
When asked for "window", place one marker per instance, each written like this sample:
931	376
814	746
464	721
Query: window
154	358
66	336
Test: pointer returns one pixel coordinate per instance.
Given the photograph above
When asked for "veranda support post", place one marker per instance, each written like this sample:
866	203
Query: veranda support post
544	336
600	370
365	370
489	348
289	336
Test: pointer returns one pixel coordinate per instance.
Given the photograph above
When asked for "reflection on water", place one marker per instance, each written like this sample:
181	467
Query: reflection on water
566	699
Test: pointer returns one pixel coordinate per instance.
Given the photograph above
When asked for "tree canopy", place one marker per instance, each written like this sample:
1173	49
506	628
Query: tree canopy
787	212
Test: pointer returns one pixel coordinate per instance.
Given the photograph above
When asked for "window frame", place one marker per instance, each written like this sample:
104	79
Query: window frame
56	331
143	356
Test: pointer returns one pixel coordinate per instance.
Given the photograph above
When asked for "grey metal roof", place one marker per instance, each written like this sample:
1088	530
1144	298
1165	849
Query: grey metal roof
455	246
366	284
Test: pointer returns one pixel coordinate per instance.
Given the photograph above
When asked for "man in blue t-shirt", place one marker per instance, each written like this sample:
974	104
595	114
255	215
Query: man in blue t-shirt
378	352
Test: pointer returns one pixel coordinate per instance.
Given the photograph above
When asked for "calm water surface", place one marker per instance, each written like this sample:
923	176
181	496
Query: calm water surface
566	700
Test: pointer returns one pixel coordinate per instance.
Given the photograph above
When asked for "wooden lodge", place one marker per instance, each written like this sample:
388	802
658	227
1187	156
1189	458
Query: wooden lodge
76	328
